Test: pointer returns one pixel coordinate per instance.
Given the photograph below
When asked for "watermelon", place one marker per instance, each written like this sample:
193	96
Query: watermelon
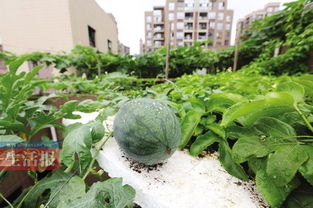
147	130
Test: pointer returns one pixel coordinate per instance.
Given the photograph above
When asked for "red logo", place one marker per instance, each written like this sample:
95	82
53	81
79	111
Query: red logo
29	156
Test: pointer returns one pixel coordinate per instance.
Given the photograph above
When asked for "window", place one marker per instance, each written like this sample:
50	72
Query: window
188	26
180	15
212	25
220	16
270	9
212	15
219	35
148	26
227	26
180	25
180	43
210	5
228	18
188	16
171	16
109	45
149	34
188	36
202	36
220	26
221	5
203	15
149	43
157	19
157	12
202	26
171	6
148	19
180	35
92	36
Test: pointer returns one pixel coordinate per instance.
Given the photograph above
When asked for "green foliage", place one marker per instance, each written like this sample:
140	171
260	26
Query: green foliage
23	115
246	118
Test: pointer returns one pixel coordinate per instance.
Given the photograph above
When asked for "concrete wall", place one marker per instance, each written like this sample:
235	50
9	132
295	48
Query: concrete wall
32	25
88	12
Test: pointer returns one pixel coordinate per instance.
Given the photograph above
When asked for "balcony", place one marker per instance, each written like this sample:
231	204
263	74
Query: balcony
159	29
188	26
188	36
158	37
202	36
203	26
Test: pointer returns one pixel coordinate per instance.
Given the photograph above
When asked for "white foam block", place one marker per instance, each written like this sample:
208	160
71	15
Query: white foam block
182	181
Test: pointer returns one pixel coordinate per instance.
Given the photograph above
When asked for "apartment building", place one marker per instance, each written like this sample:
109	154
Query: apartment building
181	22
55	26
123	49
244	24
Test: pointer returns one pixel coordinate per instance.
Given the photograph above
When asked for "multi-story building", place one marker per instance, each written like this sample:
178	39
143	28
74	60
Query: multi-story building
181	22
123	49
55	26
245	23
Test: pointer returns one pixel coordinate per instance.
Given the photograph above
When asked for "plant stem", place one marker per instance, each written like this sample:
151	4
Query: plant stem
96	155
307	140
304	118
7	201
2	173
26	195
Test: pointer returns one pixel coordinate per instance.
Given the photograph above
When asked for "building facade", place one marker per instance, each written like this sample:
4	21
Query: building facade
245	23
55	26
181	22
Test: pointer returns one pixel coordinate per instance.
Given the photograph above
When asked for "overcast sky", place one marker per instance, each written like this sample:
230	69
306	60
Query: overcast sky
129	15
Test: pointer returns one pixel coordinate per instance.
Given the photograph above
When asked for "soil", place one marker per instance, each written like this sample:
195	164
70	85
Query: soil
141	167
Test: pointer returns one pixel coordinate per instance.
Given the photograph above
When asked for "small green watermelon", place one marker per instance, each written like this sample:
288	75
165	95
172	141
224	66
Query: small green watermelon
147	130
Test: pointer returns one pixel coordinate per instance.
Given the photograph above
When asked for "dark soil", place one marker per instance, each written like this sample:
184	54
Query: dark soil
141	167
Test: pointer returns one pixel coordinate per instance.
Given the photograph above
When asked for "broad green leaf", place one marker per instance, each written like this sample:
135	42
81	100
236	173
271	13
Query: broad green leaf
68	108
97	130
295	89
248	112
9	138
74	189
274	195
189	124
302	197
275	128
110	193
40	121
49	185
236	132
13	66
221	101
307	168
227	160
79	140
12	125
217	129
105	113
89	106
202	142
247	147
284	163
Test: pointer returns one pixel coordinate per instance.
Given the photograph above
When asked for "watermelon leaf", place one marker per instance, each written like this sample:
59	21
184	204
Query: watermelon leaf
188	126
110	193
202	142
283	165
226	158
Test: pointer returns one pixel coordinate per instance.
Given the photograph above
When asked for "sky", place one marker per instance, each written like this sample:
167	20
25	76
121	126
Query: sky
129	15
